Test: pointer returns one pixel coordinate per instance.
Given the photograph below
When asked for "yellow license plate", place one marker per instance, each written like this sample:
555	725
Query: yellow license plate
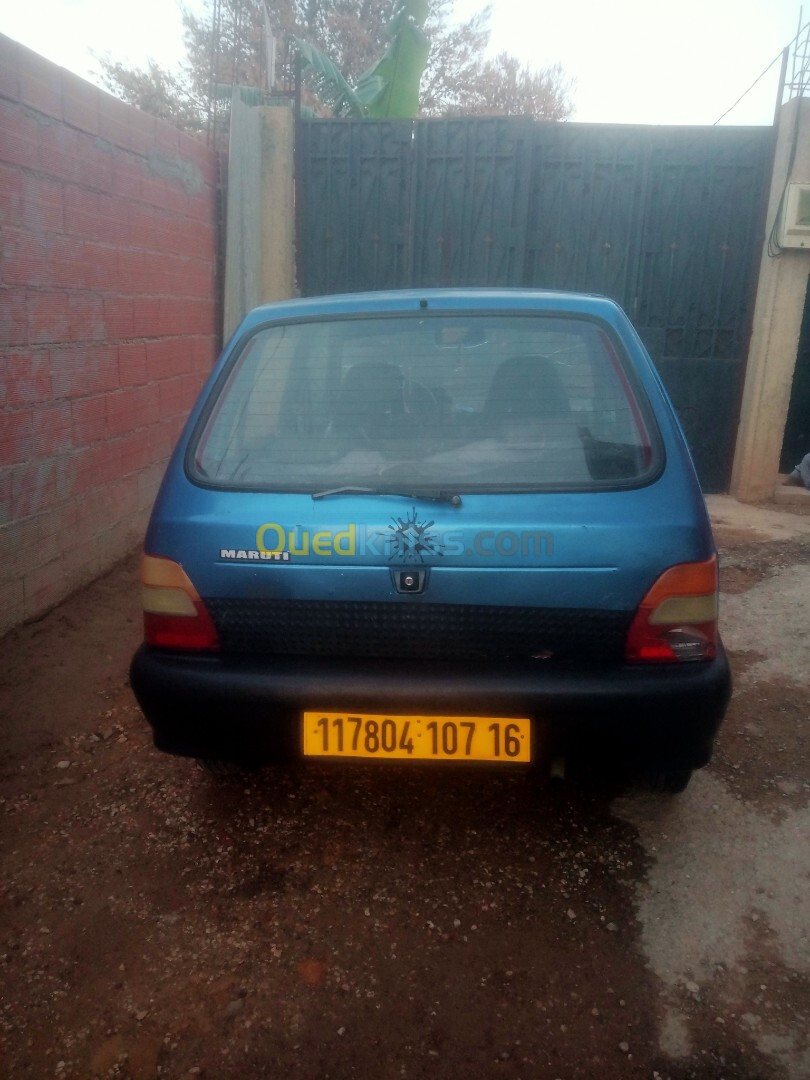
447	738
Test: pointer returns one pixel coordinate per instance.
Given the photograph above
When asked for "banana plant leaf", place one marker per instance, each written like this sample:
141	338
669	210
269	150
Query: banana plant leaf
329	80
388	89
391	87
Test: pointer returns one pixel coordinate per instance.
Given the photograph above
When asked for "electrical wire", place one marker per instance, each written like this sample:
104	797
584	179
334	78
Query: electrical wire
774	248
762	75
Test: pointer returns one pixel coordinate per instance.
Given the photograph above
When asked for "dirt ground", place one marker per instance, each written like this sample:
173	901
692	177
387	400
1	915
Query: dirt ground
365	921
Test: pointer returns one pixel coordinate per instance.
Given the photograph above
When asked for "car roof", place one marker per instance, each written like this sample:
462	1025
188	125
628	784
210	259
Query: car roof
460	299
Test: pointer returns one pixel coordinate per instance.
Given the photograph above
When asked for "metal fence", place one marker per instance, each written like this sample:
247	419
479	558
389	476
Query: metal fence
667	221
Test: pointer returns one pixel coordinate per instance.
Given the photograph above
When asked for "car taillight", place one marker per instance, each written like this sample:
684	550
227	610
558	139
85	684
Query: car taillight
174	616
677	619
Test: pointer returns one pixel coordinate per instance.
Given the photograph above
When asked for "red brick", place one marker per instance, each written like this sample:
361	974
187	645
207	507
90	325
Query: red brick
33	489
101	267
64	262
199	278
52	428
18	135
176	398
142	129
5	495
145	405
27	378
79	371
161	442
192	318
113	224
135	451
148	483
114	121
11	186
86	312
202	207
44	587
40	83
146	316
118	540
200	240
94	512
67	467
9	68
97	167
120	413
118	321
167	139
48	316
166	358
204	352
127	178
80	565
81	212
168	194
123	498
80	103
89	420
195	149
16	436
167	272
13	317
145	226
104	466
42	204
193	384
178	200
23	259
131	364
25	545
175	317
135	273
12	605
207	322
60	152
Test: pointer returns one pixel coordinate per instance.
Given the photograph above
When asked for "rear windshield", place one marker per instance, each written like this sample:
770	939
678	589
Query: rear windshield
485	403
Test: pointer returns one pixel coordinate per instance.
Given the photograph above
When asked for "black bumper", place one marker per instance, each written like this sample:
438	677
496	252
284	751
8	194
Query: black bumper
249	708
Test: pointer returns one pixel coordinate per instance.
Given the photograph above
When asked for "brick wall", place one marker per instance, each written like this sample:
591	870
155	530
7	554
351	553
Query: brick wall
107	321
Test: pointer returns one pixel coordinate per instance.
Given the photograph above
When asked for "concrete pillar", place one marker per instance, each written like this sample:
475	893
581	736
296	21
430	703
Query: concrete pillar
777	323
260	247
278	204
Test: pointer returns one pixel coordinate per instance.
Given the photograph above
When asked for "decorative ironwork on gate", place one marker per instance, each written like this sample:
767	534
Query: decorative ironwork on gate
667	221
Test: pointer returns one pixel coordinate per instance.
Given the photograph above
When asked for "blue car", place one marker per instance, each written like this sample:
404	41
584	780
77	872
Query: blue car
441	525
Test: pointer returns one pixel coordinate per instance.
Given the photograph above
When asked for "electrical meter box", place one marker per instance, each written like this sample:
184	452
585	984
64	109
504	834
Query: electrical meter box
794	230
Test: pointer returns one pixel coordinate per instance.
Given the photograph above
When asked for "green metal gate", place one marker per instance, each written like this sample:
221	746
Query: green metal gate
667	221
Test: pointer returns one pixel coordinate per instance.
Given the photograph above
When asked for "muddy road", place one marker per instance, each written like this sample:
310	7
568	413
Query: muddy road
376	922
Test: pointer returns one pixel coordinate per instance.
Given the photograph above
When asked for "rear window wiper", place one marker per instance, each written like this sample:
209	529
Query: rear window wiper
431	495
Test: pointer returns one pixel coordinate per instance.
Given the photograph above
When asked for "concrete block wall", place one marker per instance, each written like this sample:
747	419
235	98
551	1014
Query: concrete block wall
108	321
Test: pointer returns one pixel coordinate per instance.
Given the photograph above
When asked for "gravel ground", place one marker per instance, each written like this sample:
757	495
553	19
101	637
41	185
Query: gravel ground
359	921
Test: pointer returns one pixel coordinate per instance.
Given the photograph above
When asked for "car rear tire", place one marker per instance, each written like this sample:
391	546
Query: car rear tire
669	781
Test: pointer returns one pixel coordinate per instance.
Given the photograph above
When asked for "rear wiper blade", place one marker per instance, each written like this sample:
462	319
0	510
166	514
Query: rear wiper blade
431	495
344	491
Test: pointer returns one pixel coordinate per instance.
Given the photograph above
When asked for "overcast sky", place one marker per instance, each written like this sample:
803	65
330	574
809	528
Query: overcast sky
632	61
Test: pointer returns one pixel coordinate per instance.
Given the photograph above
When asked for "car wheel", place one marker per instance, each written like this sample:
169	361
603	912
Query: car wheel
669	781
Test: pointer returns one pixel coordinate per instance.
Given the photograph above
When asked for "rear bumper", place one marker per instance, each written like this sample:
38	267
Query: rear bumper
249	708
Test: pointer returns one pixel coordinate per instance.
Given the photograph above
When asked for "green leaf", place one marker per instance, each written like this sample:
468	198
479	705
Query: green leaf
329	80
391	87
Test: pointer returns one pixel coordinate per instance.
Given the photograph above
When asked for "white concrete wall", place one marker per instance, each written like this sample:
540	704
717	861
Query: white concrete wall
777	323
